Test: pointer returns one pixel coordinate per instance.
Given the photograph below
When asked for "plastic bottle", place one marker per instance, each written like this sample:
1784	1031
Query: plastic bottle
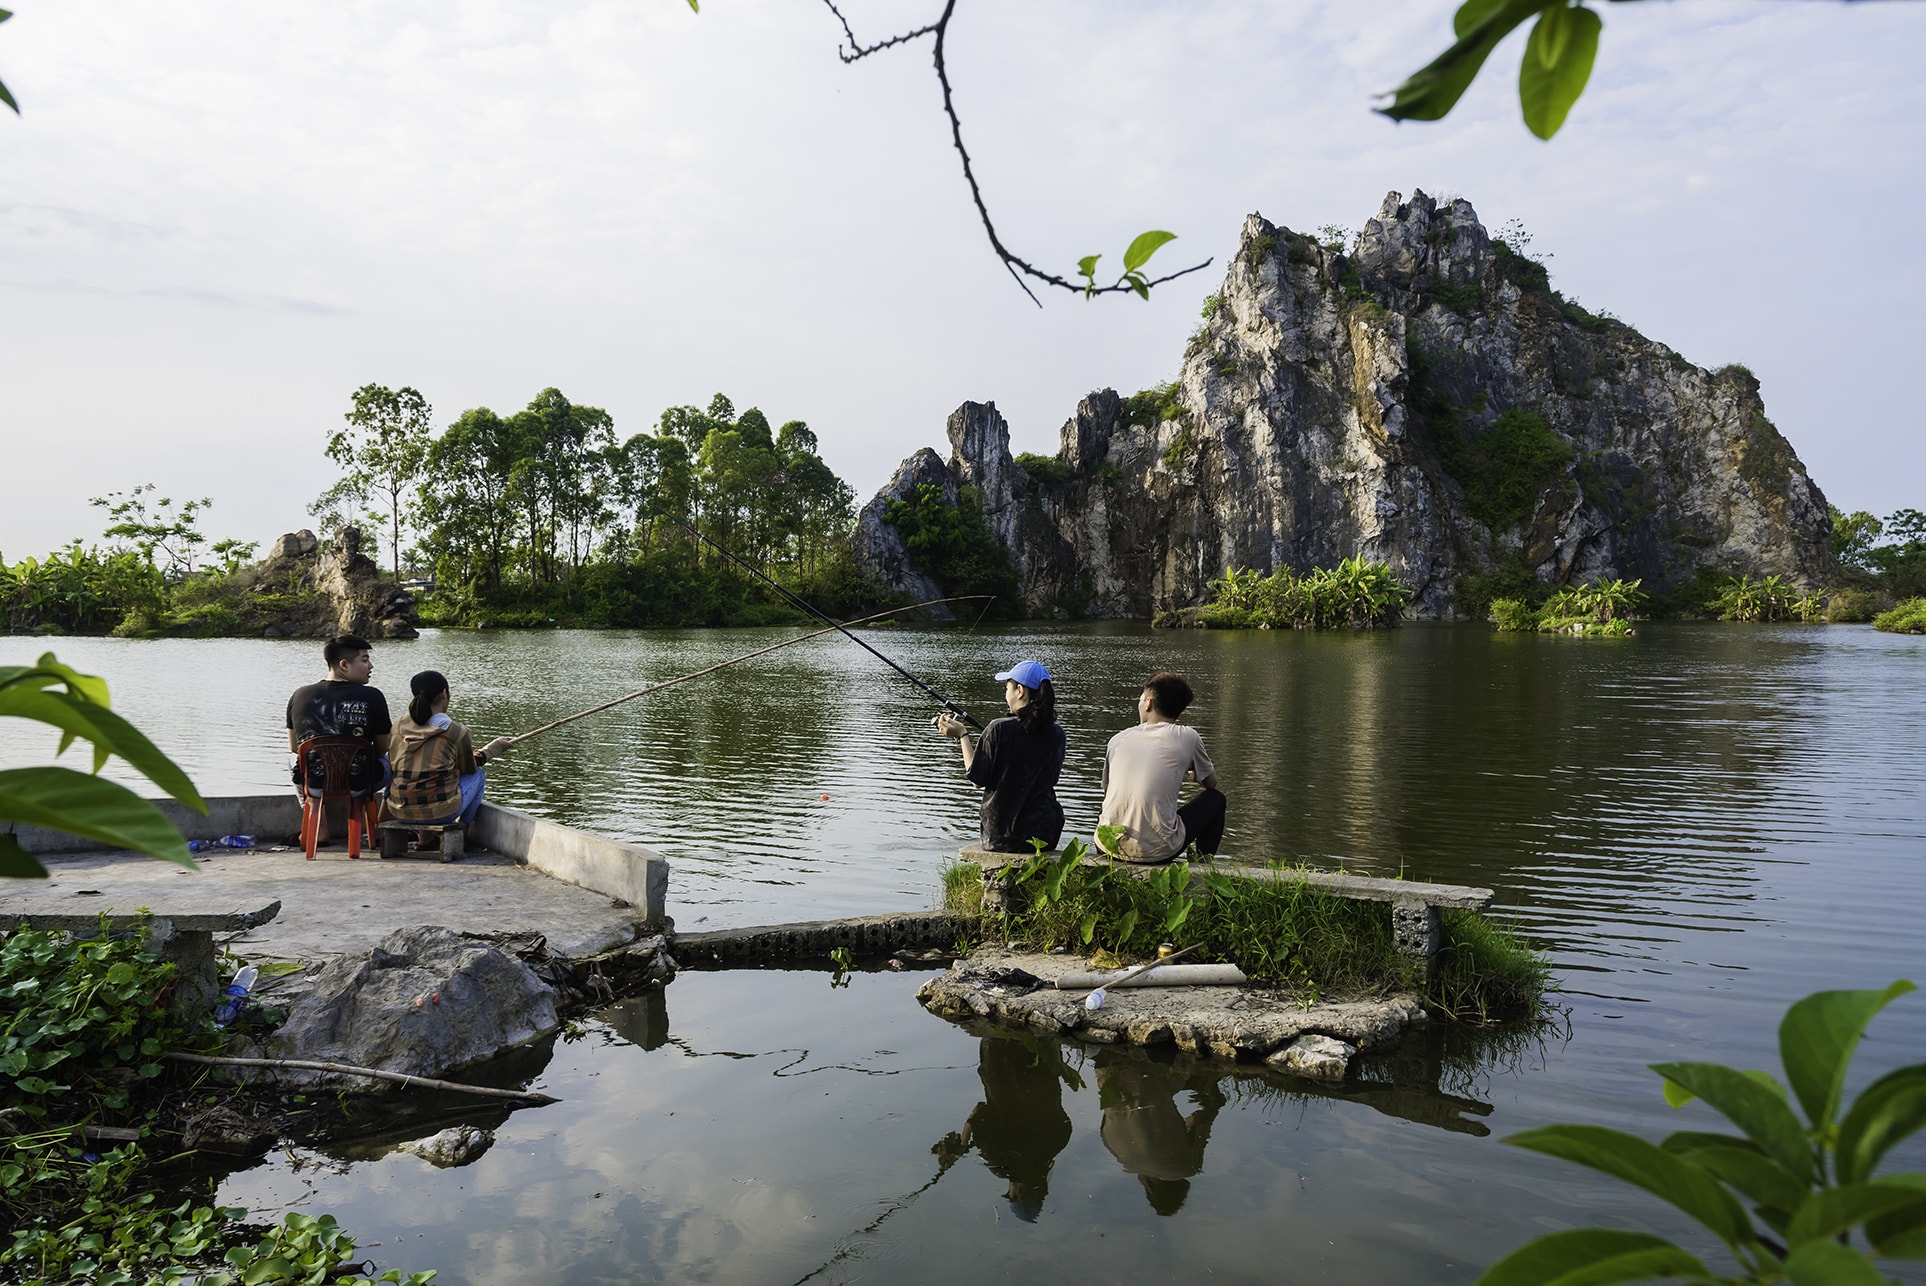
236	841
1094	1001
230	1008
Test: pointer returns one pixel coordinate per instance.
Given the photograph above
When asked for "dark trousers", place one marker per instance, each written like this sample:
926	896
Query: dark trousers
1203	819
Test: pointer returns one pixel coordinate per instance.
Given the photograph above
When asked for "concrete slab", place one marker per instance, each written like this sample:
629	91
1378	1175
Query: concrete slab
330	906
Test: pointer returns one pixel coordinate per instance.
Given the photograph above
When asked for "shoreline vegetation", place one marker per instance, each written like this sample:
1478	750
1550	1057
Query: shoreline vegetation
544	518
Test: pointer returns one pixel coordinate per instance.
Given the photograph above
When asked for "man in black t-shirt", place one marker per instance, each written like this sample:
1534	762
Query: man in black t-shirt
343	705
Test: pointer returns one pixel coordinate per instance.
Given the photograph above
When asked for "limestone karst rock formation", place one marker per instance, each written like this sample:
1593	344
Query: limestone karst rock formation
1424	399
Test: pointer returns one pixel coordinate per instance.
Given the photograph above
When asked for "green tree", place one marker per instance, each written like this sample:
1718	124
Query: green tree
164	534
383	449
1853	537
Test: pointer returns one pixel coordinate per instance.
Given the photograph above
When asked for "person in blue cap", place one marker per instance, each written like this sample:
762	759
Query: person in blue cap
1017	761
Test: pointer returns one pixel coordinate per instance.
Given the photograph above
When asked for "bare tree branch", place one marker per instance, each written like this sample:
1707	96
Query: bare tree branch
1016	265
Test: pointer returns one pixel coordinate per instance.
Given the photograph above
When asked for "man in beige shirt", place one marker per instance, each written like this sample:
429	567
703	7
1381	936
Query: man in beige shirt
1143	769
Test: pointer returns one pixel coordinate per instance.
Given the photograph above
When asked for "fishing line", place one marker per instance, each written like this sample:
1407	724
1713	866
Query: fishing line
770	581
669	683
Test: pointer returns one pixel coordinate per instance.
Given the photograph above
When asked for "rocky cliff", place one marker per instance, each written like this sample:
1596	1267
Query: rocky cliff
1422	398
305	589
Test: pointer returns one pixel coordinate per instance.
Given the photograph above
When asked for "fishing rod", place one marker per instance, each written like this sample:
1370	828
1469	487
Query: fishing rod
669	683
770	581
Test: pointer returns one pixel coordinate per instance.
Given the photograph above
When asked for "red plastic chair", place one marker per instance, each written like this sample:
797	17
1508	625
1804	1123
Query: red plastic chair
336	755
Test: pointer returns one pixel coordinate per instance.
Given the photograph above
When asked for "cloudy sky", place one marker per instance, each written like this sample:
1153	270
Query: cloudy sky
218	218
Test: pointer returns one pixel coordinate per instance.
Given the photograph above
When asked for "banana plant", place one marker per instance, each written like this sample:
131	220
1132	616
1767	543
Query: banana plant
1811	1183
78	803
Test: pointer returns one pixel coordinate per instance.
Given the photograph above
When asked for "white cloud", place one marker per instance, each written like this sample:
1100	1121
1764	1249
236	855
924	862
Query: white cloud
218	221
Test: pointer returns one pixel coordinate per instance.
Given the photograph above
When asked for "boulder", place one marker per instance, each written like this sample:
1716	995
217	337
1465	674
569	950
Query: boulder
1321	1058
425	1001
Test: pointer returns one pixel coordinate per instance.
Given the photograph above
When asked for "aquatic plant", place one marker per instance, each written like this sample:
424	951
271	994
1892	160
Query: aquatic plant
1768	599
1602	609
1355	594
86	1024
1811	1183
1907	618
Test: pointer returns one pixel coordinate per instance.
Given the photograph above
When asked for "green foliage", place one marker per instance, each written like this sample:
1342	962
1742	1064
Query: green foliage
1152	406
77	803
1526	272
164	533
955	545
1740	598
1049	470
1603	609
81	591
1271	922
1853	537
1178	453
84	1024
1468	298
1907	618
1136	255
1212	302
1785	1196
1355	595
1508	470
1335	237
1557	62
80	1012
1851	606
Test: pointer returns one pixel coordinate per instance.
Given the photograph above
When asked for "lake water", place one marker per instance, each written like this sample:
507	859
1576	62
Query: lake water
1701	824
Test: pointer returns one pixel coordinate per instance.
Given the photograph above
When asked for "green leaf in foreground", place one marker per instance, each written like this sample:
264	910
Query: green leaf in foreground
1892	1108
17	863
1827	1263
76	803
1592	1257
1816	1040
1670	1178
1434	89
1147	244
1755	1109
1558	61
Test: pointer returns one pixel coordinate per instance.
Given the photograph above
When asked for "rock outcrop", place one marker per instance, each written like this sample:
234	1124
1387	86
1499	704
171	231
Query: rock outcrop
1424	400
426	1002
305	589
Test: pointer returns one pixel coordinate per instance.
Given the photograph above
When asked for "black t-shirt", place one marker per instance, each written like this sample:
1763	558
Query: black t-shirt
338	708
1018	772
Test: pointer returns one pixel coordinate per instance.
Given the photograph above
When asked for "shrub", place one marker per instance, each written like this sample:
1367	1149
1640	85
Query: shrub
956	547
1046	469
1907	618
1506	470
1513	615
1155	404
1851	606
1740	598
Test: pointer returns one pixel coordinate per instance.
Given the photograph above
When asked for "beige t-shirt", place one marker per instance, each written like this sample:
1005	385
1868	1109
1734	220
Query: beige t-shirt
1142	769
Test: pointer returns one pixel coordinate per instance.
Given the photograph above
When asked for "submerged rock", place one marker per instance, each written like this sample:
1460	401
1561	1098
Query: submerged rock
456	1145
424	1001
1425	400
1322	1058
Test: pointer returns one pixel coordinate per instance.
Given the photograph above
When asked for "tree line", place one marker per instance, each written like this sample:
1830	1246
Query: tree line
547	510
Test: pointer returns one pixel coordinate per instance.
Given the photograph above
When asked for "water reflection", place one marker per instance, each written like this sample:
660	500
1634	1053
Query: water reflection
1144	1129
1020	1126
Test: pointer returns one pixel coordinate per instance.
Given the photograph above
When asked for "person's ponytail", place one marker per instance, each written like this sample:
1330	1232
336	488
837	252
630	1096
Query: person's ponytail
426	686
1040	711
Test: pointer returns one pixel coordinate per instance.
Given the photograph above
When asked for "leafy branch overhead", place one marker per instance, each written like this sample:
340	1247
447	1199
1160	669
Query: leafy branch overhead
1134	280
1557	63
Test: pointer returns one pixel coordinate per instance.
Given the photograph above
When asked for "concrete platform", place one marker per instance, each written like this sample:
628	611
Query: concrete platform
330	906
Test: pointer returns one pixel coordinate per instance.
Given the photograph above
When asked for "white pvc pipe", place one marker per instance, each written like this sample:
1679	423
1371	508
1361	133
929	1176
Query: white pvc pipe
1170	975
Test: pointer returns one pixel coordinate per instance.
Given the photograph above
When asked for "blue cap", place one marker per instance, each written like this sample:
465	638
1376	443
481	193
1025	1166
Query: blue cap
1030	674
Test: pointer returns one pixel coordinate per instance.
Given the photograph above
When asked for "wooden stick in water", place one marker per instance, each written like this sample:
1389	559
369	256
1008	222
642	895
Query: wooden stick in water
746	656
374	1073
